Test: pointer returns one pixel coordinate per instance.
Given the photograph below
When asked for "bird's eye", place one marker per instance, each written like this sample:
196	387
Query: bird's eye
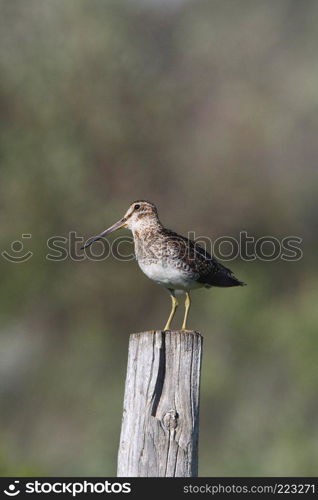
136	207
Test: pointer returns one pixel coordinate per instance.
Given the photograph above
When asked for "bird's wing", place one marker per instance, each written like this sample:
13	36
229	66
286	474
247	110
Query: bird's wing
191	252
207	268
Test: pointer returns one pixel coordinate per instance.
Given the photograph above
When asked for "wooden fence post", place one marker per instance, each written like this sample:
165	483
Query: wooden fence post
160	427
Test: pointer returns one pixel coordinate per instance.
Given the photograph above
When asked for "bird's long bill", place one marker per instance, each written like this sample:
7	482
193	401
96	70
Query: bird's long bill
112	228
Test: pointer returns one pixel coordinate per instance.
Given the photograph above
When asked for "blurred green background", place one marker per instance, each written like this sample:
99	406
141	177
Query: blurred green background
208	109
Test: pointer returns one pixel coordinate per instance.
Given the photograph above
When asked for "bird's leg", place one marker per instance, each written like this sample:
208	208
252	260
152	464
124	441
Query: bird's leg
173	309
187	304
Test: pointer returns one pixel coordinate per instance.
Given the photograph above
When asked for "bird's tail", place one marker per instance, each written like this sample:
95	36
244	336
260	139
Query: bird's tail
226	280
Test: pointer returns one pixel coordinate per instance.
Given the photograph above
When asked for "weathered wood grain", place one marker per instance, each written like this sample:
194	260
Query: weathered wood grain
160	427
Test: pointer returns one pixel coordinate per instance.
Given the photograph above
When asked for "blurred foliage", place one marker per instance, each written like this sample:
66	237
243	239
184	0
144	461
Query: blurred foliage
209	109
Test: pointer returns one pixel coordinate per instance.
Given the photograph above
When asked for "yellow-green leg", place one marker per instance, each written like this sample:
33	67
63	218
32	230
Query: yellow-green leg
174	306
187	304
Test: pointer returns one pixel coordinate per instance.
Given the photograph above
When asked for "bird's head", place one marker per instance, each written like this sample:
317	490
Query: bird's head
139	215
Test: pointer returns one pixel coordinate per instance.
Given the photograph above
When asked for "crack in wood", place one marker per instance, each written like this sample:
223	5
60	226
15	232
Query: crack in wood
160	376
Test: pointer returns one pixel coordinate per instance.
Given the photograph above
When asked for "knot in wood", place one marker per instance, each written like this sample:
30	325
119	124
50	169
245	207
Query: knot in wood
170	420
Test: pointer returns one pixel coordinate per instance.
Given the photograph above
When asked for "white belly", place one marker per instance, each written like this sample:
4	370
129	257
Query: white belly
168	276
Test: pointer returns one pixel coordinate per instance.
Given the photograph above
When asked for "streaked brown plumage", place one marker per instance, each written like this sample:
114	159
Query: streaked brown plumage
169	259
